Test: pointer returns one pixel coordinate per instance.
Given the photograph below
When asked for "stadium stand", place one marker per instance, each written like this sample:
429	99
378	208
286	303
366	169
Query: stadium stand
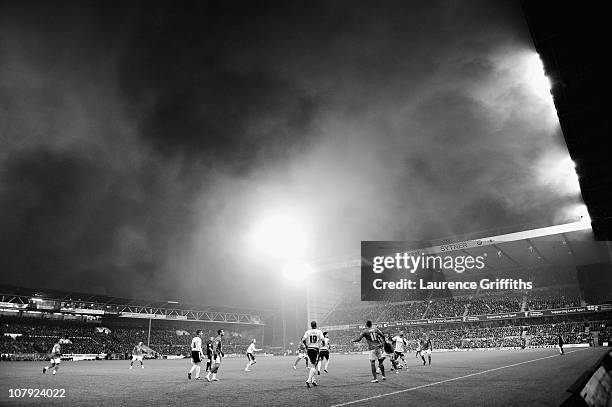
351	312
31	336
484	337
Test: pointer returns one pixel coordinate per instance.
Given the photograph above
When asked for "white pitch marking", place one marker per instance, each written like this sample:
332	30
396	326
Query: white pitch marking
448	380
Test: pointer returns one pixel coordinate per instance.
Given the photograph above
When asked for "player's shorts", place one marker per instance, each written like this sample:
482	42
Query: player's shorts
427	351
195	356
216	359
56	359
398	354
251	357
302	355
376	354
313	355
324	354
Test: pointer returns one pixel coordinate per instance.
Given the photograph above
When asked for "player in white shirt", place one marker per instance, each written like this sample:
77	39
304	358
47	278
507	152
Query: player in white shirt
301	355
56	355
250	355
312	339
137	354
401	346
196	355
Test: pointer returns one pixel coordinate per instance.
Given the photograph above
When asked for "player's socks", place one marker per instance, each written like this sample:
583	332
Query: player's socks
423	357
373	371
307	384
382	371
214	377
311	374
198	369
429	358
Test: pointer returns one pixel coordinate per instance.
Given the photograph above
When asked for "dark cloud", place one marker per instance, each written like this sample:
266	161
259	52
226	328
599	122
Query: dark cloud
184	76
142	140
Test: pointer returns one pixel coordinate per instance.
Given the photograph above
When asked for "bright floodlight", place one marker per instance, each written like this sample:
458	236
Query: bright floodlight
279	236
564	172
297	270
535	75
558	172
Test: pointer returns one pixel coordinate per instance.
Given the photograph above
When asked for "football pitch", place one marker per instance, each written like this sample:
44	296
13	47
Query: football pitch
486	378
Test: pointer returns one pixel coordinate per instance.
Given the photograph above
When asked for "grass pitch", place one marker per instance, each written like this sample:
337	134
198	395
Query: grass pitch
479	378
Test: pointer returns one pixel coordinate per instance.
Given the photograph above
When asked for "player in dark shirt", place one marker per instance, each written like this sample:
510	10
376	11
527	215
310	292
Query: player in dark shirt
209	353
390	352
375	339
560	339
217	349
426	347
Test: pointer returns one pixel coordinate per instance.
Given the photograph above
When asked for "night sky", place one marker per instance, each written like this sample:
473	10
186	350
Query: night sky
141	141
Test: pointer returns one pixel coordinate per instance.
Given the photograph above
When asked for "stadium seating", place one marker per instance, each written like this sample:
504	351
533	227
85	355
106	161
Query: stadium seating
32	336
488	337
351	311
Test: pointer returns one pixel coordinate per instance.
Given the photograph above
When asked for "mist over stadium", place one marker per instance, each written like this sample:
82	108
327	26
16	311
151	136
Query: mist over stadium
222	163
142	142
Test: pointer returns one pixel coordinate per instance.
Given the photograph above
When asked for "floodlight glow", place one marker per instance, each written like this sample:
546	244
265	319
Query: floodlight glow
565	172
297	270
280	237
535	75
559	172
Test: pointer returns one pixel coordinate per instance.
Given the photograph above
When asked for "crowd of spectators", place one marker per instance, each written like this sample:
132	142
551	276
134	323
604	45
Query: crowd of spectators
495	302
554	298
447	307
405	311
355	315
30	336
574	332
494	337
